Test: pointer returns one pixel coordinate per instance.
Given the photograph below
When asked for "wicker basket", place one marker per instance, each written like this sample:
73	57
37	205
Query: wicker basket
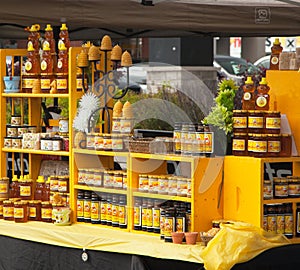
141	145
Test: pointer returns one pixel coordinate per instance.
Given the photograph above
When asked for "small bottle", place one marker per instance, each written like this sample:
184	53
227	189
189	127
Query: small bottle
62	69
170	224
64	36
298	220
122	212
177	138
180	219
46	69
87	206
109	210
14	187
280	219
103	214
46	192
32	64
80	206
150	215
137	214
95	209
276	50
115	211
144	214
25	184
162	222
248	100
39	188
156	216
262	99
49	38
288	221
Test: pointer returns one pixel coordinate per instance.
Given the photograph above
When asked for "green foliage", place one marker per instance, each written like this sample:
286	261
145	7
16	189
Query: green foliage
221	114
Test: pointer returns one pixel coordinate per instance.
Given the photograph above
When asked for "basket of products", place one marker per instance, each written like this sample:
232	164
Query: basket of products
139	145
209	235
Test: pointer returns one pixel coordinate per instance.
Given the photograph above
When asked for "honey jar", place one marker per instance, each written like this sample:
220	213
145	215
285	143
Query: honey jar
20	211
46	212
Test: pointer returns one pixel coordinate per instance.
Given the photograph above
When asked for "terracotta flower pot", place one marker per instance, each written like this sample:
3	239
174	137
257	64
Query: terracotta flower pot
191	238
177	237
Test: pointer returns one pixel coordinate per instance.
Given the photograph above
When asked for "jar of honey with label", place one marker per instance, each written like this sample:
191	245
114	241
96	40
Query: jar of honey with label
272	122
20	211
239	144
240	121
256	122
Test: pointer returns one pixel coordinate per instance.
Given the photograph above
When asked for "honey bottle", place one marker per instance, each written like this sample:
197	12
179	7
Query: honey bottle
248	100
49	39
46	68
262	99
276	50
32	64
14	187
62	69
64	36
33	37
39	188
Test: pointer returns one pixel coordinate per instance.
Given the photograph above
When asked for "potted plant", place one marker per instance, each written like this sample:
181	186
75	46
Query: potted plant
12	80
220	117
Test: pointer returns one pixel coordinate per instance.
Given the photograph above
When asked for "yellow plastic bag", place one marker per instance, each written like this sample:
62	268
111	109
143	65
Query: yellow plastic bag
238	242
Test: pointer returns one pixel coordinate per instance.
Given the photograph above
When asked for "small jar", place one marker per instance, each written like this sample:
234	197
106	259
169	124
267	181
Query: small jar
274	145
8	210
272	122
4	187
259	145
172	185
90	141
56	143
15	120
81	176
108	178
53	183
189	187
21	130
1	207
268	190
46	212
239	144
46	144
116	125
240	121
63	184
98	141
153	183
63	125
117	142
34	209
118	180
20	211
125	179
163	184
143	183
7	142
256	122
286	145
107	142
294	186
181	187
281	187
98	178
16	142
11	131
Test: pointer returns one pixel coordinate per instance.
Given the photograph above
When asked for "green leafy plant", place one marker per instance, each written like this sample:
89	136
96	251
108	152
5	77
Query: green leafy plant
221	114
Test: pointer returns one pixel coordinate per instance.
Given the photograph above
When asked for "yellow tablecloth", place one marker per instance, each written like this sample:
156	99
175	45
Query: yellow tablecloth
95	237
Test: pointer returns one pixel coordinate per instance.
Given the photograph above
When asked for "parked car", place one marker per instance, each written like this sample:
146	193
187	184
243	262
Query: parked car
234	68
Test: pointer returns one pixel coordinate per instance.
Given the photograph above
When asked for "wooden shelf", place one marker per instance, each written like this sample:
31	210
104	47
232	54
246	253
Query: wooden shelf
101	189
161	196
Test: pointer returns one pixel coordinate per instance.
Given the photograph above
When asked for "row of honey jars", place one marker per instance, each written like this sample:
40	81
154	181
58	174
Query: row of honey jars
165	184
103	178
106	209
282	187
268	122
278	218
106	142
261	145
192	139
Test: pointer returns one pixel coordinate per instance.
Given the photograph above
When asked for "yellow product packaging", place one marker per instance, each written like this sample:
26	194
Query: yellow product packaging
238	242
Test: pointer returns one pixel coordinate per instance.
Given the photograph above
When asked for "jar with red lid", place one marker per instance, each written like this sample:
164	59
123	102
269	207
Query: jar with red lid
272	122
20	211
239	144
240	121
274	145
256	122
259	145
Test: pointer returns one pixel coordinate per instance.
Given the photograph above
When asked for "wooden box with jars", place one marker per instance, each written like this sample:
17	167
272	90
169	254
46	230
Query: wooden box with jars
22	131
257	193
